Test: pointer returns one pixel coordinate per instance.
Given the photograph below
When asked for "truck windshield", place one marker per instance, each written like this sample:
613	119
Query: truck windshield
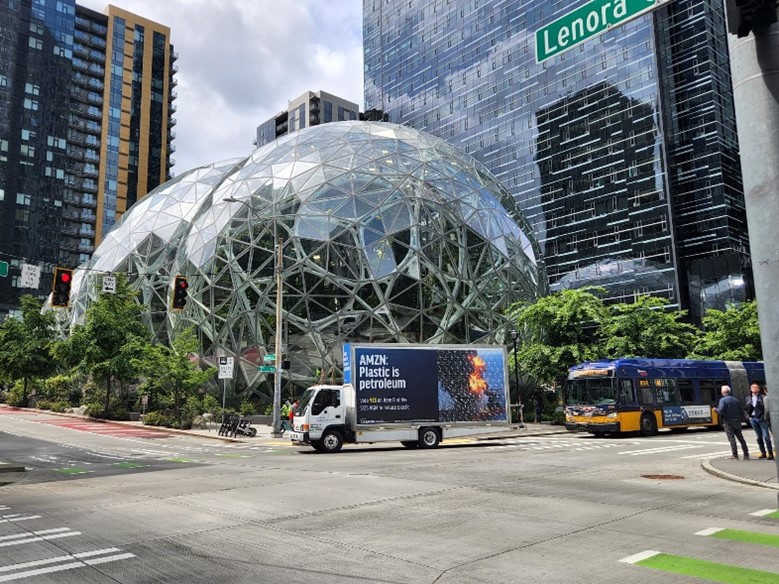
304	401
594	392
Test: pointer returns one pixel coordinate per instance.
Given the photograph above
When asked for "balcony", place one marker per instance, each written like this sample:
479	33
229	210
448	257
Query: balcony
86	248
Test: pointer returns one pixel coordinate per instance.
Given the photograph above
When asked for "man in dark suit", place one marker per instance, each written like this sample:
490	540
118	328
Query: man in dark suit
756	410
731	415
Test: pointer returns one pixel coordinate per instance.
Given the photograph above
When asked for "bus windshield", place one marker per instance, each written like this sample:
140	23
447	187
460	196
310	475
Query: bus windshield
594	392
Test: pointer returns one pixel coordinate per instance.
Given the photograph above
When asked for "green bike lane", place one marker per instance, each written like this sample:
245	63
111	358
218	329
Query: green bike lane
743	561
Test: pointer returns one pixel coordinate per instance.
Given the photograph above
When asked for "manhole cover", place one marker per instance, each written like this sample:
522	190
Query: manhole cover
662	477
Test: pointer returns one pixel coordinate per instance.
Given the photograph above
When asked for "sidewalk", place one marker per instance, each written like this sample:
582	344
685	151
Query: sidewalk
759	473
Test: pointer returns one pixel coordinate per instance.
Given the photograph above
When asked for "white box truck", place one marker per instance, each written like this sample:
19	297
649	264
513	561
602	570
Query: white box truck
417	395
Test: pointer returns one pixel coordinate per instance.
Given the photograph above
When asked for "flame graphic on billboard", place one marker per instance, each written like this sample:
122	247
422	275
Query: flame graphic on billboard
476	382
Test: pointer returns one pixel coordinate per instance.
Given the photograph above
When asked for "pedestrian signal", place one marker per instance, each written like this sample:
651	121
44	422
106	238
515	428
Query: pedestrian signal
60	288
180	291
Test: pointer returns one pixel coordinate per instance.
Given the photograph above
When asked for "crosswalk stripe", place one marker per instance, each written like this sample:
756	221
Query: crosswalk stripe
639	557
658	450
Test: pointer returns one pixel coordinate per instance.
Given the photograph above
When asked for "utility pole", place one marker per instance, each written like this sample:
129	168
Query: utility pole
754	65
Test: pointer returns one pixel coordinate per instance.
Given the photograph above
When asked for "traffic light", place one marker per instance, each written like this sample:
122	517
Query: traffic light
60	288
180	291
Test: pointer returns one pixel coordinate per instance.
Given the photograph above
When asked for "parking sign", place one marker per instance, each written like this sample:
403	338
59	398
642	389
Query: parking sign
226	367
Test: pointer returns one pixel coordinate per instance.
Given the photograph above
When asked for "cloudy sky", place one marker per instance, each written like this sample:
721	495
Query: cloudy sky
241	61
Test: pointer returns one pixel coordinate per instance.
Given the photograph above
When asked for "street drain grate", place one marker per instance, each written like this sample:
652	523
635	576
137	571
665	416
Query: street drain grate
662	477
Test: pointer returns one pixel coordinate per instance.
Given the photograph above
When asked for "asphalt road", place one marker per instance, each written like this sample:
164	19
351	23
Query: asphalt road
563	508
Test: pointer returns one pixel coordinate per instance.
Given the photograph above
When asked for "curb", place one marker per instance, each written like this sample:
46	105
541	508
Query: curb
131	425
735	478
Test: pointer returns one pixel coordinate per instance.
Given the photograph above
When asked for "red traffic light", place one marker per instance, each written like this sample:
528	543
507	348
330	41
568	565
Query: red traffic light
60	292
179	300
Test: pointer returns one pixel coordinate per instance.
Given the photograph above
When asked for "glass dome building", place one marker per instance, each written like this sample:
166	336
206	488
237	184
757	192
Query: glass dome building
387	234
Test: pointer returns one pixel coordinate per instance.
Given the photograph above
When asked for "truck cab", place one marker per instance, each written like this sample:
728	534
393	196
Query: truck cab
321	418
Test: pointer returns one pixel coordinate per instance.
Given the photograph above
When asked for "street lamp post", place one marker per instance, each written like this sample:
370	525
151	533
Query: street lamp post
278	261
516	375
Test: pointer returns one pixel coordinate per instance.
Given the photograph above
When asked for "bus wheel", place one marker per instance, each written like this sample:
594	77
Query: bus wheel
648	424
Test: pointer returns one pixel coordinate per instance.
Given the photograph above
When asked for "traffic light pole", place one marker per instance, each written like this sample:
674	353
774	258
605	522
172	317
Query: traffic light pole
754	61
277	350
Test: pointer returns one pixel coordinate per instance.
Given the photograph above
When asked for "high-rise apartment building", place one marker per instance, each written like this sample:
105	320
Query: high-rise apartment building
621	152
309	109
86	119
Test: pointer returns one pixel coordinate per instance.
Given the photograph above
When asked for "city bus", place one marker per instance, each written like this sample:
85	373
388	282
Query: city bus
644	395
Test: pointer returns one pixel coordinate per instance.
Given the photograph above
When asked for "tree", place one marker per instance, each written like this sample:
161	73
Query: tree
99	347
25	344
558	331
645	329
730	335
172	370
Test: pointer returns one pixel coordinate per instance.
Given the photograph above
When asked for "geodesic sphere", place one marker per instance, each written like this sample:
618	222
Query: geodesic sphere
386	234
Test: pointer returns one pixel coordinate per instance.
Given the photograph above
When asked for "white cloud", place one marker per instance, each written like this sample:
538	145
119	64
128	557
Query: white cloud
241	61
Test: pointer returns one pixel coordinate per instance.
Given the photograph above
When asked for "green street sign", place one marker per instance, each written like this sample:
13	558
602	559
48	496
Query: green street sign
269	358
586	22
267	368
3	269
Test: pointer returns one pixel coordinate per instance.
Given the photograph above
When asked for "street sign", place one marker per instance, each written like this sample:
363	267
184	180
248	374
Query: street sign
226	367
144	400
109	284
269	358
587	21
267	368
31	276
3	269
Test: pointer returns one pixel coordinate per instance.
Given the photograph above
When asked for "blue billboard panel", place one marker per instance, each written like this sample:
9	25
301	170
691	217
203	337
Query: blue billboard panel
428	385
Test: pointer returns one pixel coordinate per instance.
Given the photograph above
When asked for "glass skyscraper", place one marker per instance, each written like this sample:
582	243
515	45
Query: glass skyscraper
86	118
621	152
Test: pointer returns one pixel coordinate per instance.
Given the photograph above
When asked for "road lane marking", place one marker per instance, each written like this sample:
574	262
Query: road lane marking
709	531
747	537
17	517
664	449
703	569
33	536
639	556
764	512
708	454
64	558
79	563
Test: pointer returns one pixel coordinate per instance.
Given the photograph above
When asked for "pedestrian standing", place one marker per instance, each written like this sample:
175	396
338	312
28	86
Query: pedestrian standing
731	415
756	412
539	407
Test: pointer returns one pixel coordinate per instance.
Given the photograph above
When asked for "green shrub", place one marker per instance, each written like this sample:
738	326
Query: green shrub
58	388
211	404
15	395
157	419
93	409
43	404
60	406
247	408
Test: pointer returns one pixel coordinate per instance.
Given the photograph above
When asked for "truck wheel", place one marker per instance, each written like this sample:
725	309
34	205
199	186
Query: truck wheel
429	438
332	441
648	424
409	443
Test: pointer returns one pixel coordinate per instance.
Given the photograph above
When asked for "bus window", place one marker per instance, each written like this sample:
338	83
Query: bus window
686	391
710	390
646	396
626	395
665	390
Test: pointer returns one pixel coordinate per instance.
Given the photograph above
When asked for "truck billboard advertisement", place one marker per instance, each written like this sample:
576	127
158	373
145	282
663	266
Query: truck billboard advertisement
433	384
